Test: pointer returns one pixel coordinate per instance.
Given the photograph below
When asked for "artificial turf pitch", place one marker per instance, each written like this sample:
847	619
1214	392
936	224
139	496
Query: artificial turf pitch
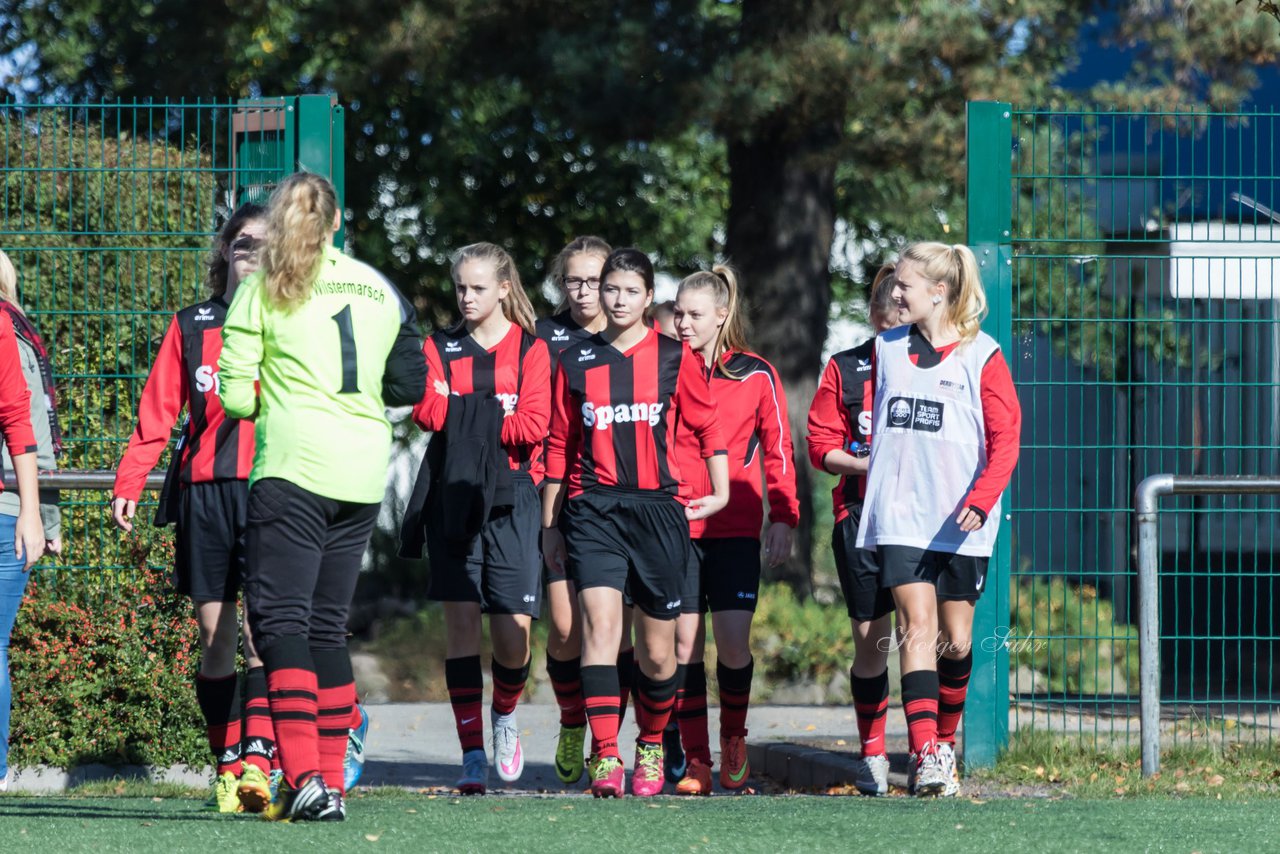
403	821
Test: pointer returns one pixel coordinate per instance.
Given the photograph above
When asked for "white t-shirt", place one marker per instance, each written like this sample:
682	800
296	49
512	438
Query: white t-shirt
928	447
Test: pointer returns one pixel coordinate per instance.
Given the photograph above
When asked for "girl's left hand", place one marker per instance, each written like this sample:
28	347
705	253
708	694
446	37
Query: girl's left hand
707	505
29	538
777	543
969	520
442	388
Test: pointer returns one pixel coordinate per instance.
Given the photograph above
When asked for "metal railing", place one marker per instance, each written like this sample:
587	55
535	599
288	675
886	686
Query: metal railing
82	479
1146	505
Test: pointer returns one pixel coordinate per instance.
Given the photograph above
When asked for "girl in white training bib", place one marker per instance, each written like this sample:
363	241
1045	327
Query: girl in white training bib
945	428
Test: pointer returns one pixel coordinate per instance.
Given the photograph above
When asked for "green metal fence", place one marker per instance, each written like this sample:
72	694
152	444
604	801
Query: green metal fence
1134	265
108	214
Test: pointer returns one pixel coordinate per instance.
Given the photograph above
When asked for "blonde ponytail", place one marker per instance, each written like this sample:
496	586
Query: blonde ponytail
9	282
956	268
516	306
722	282
299	226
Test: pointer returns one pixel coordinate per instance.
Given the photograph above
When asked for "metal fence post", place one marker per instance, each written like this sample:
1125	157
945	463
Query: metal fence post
990	218
320	142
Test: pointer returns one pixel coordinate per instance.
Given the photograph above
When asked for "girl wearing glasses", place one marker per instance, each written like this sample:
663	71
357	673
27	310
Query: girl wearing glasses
205	497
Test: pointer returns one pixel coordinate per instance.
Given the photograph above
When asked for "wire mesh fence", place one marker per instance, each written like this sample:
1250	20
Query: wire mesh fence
108	214
1145	338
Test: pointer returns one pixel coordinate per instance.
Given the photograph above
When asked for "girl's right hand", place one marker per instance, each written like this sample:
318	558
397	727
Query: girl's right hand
553	551
442	388
122	511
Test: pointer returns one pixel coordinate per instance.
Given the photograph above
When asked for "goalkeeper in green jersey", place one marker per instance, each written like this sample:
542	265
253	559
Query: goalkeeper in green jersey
329	343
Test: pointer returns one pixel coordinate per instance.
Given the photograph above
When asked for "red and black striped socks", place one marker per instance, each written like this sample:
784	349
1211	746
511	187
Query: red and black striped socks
465	681
871	705
953	686
336	700
259	735
735	698
600	697
655	698
566	681
920	703
691	713
219	700
292	692
626	679
508	685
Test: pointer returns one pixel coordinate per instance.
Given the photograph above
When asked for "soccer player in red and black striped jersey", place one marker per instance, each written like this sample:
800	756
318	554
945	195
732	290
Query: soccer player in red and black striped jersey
492	354
576	270
840	443
207	504
725	578
611	468
946	420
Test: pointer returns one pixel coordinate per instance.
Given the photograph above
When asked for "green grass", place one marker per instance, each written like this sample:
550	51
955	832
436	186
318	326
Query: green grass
412	822
1083	768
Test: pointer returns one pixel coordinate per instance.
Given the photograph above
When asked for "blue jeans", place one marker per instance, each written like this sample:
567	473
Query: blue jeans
13	580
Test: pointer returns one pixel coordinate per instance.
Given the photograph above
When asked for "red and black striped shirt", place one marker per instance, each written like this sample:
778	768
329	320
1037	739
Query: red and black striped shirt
841	414
560	333
517	371
185	373
614	415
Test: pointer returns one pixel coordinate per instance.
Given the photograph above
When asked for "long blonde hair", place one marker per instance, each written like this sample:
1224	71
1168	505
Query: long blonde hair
722	282
9	282
516	306
956	269
299	225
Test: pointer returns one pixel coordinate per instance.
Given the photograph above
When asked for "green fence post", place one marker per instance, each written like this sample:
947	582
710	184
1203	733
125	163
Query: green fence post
990	221
320	140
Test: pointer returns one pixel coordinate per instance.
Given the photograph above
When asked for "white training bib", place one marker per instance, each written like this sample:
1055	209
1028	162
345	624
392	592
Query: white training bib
928	447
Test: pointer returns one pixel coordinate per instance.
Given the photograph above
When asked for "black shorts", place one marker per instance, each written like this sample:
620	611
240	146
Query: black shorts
724	575
633	541
501	568
209	551
859	573
957	577
304	554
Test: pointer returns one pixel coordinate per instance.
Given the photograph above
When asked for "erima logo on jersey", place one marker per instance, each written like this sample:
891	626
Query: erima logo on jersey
864	365
559	335
207	379
915	414
586	354
453	347
508	400
623	413
205	313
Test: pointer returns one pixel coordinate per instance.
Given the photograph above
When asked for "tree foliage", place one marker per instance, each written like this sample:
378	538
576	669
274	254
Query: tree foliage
785	134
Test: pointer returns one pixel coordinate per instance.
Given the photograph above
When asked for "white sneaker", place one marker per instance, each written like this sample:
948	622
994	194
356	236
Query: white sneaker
931	777
873	775
947	756
507	754
475	773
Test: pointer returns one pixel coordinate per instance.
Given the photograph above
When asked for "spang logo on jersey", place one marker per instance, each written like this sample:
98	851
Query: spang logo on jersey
600	417
207	379
910	413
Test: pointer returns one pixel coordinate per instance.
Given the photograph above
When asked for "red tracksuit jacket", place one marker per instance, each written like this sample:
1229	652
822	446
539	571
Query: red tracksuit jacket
753	416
